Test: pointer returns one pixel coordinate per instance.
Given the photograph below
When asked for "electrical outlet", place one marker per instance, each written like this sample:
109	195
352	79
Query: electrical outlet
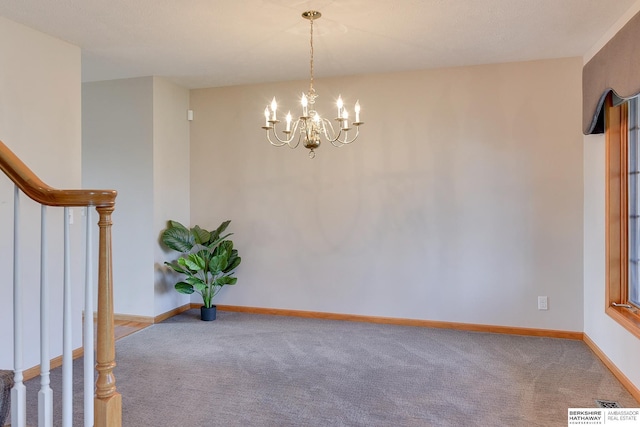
543	303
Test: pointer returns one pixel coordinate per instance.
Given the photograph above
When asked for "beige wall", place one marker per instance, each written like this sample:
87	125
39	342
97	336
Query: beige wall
117	152
461	201
171	191
40	122
136	140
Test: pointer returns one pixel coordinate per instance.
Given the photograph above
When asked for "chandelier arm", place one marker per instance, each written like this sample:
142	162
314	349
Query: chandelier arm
283	141
337	143
293	134
298	141
275	144
346	140
323	128
333	137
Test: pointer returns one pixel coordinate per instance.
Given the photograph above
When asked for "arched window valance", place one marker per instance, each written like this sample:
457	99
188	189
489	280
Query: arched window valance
615	68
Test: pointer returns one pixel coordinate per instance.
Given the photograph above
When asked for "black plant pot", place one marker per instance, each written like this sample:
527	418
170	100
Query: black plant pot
208	313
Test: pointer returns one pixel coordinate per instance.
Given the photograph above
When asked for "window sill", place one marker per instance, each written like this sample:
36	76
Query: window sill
625	317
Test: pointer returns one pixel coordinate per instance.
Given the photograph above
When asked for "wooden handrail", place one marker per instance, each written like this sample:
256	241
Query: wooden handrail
37	190
107	401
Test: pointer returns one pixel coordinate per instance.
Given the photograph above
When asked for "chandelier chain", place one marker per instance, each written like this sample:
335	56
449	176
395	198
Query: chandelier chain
311	91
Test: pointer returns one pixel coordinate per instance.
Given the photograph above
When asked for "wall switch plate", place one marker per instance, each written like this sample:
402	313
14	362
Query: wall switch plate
543	303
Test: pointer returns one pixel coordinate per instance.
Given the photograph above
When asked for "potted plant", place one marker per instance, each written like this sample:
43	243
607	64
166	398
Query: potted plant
208	261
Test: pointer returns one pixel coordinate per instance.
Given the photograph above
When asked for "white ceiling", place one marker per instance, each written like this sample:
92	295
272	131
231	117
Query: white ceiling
202	43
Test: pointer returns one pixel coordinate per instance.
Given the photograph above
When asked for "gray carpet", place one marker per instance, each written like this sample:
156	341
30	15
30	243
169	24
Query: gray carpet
6	382
253	370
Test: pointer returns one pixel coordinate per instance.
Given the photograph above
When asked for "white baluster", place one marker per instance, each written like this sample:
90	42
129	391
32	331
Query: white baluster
67	349
45	395
18	392
89	363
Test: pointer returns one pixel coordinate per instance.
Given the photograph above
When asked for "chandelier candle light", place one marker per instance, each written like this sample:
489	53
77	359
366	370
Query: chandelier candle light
310	127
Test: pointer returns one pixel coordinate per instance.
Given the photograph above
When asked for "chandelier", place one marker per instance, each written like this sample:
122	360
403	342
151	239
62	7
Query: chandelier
310	127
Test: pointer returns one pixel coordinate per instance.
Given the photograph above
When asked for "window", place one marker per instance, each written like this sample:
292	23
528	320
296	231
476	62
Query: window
634	204
623	213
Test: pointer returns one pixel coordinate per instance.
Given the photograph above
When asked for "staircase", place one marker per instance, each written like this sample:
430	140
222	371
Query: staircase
103	408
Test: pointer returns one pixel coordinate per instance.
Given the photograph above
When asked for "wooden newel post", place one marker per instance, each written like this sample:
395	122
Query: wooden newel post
107	402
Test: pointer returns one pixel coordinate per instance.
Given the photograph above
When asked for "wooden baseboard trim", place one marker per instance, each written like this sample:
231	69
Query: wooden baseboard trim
626	383
56	362
148	319
132	318
549	333
127	318
164	316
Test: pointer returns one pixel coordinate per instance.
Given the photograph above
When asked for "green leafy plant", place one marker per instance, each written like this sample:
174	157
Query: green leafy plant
208	259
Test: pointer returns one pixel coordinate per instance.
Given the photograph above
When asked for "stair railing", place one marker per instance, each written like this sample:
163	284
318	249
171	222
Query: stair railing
104	407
